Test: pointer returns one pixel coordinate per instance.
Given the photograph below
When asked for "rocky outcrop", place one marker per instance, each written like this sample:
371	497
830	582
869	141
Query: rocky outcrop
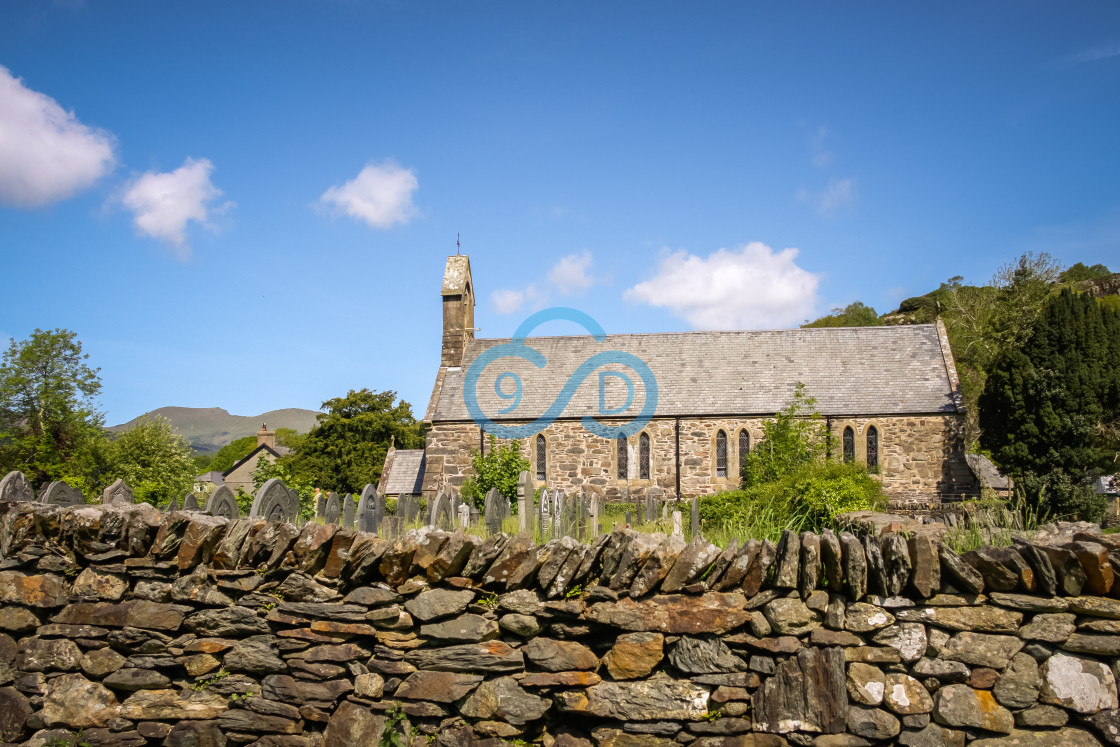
122	626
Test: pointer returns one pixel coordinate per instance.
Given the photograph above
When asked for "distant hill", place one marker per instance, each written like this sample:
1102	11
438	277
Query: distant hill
208	429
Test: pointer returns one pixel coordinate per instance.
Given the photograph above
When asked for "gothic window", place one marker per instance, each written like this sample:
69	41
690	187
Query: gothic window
721	454
872	447
643	456
849	445
744	446
542	456
623	466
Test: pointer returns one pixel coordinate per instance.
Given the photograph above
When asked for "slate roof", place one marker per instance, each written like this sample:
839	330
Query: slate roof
406	473
905	369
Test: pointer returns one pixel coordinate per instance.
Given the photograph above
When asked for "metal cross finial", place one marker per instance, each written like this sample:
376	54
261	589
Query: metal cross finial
456	243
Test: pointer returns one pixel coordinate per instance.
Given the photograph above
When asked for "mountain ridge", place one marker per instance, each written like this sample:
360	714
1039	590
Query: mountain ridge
207	429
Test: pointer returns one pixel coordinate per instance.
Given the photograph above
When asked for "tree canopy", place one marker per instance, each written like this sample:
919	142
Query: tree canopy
855	314
796	437
47	408
1050	411
346	449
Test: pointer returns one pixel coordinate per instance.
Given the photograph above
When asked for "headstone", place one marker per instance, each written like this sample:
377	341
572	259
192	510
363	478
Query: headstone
320	505
408	508
61	494
15	488
544	511
496	510
190	502
678	528
464	516
695	524
332	508
371	510
118	492
442	515
652	501
222	502
275	502
348	511
391	526
525	502
173	504
595	508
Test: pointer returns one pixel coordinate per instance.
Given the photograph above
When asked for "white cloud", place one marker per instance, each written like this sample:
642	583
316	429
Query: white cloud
507	301
752	287
163	203
46	154
821	155
380	195
1092	54
838	193
569	275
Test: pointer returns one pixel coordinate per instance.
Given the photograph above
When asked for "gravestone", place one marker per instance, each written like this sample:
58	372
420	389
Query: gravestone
652	500
544	513
190	502
320	505
222	502
61	494
391	527
569	516
408	508
172	505
15	488
464	516
695	524
332	508
371	510
348	511
595	511
525	502
442	515
496	510
274	502
118	492
678	526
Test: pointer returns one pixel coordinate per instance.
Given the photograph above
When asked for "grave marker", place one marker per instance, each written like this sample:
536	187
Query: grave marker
371	510
408	508
524	502
222	502
332	508
348	511
61	494
274	502
190	503
118	492
15	488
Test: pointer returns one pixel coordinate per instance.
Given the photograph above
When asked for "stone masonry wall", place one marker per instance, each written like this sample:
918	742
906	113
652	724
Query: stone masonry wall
124	626
917	454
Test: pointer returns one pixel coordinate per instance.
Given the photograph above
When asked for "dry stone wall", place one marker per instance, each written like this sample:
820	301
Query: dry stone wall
124	626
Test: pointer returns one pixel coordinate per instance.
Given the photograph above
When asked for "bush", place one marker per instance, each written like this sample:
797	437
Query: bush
499	468
807	499
1056	496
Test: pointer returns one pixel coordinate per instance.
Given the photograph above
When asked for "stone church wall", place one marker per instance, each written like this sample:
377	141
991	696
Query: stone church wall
123	626
917	455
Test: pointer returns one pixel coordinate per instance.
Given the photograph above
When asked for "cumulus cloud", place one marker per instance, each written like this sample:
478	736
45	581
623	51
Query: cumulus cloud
163	203
752	287
822	156
508	301
46	154
838	193
380	195
569	275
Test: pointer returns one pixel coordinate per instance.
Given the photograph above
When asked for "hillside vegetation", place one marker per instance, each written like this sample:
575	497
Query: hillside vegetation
208	429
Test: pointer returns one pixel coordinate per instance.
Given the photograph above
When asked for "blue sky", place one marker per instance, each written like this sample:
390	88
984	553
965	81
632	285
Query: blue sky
248	205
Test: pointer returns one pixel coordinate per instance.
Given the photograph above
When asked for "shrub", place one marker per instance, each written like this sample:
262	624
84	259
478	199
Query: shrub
498	468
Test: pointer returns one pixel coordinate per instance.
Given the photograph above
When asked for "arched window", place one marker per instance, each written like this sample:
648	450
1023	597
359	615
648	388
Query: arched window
721	454
849	445
872	447
623	459
542	456
643	456
744	446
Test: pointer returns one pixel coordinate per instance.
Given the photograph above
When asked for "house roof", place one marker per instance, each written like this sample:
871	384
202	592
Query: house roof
404	473
906	369
277	452
212	476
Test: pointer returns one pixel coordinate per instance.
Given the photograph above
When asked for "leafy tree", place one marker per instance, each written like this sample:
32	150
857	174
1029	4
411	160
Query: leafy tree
346	449
47	408
232	453
1080	272
498	468
796	437
154	461
856	314
1050	412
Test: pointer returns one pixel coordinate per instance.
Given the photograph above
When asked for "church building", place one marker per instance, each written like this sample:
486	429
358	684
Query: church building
889	395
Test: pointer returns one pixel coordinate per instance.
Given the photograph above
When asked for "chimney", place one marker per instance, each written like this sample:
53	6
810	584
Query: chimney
458	309
266	437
